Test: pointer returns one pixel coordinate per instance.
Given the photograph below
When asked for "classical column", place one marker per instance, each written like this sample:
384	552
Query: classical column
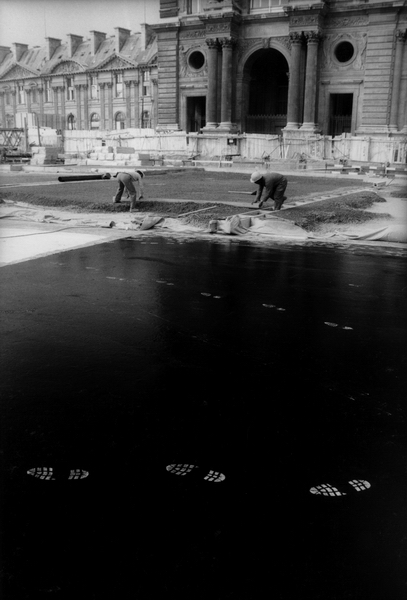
55	90
154	103
3	109
403	94
395	94
227	83
136	117
211	99
41	101
313	39
127	86
85	88
102	105
293	109
78	106
28	96
63	115
14	103
110	104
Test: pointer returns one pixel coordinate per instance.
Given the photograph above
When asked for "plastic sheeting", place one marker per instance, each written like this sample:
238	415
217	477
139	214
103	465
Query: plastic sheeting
262	224
271	225
393	233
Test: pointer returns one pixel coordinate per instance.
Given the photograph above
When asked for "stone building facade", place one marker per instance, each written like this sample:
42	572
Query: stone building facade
286	67
96	83
300	67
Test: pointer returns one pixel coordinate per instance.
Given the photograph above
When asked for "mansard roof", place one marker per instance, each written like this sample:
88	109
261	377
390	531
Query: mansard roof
34	62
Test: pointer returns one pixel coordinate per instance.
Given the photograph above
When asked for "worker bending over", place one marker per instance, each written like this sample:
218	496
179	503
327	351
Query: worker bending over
133	182
271	186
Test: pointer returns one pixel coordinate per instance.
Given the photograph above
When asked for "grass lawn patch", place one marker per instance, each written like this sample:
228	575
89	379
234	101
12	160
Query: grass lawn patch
206	190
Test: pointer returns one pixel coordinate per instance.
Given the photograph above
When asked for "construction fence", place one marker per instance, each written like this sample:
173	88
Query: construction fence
248	147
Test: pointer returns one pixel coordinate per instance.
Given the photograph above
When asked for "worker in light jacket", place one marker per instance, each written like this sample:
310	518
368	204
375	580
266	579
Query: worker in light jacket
271	186
133	183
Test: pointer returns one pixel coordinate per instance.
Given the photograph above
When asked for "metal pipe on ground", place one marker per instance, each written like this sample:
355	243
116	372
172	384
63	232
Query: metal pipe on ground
68	178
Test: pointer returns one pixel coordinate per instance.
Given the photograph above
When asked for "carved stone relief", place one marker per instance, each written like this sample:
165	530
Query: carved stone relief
17	73
116	63
66	67
347	21
244	46
218	28
184	69
198	33
359	42
304	20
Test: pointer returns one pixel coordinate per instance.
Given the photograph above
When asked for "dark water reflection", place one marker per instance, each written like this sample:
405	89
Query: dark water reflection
125	357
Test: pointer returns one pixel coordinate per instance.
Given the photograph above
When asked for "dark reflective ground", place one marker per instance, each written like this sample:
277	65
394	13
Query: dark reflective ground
123	358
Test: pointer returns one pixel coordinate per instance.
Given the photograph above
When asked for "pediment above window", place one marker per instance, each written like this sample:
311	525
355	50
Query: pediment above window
67	67
117	63
17	72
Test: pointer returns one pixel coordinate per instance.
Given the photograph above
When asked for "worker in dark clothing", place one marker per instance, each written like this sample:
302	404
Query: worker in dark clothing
271	186
133	183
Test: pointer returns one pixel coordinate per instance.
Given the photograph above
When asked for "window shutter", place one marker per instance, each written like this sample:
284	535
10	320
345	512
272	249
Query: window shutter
168	8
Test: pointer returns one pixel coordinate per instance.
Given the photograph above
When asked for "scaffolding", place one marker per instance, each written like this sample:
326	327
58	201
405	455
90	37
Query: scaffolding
12	138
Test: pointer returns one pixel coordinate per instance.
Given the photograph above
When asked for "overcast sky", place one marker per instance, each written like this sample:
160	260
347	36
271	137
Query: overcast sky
31	21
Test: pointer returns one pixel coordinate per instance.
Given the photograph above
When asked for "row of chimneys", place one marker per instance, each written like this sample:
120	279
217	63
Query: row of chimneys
96	38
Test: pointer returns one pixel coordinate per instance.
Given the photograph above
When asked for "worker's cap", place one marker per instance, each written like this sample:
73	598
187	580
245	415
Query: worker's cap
256	176
140	173
106	176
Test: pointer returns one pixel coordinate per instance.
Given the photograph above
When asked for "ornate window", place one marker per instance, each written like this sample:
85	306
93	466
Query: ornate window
118	85
47	90
193	7
94	121
259	6
94	88
145	119
8	98
196	60
344	52
34	95
70	90
145	76
21	94
71	122
120	120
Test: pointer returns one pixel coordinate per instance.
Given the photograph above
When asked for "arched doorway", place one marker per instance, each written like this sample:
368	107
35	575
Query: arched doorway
71	122
120	121
94	121
266	75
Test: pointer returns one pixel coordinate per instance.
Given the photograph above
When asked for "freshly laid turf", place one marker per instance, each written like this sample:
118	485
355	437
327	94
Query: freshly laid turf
199	189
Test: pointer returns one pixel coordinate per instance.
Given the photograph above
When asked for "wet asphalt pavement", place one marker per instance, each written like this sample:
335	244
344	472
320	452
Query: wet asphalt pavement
282	367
